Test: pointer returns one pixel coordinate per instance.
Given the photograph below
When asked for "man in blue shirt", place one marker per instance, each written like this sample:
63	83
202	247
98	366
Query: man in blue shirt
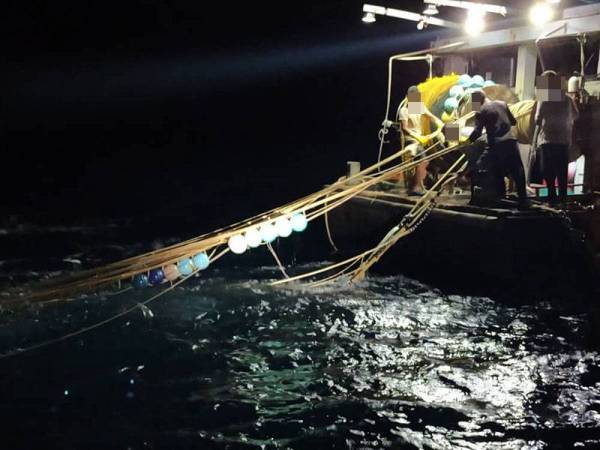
505	157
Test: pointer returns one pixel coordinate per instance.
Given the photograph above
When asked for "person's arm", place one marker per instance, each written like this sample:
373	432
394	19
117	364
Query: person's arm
536	133
405	129
476	133
439	123
574	109
511	118
403	119
538	124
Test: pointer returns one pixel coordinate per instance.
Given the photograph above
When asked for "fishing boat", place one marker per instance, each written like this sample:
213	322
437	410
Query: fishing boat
495	247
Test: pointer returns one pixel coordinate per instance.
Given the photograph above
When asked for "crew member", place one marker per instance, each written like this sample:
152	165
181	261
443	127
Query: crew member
505	158
410	117
554	118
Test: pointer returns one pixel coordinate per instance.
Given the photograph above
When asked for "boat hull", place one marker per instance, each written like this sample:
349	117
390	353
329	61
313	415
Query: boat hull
493	252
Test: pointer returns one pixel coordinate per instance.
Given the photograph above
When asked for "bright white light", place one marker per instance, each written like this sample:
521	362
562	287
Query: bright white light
369	18
475	22
540	14
268	233
283	226
486	7
431	10
237	244
253	237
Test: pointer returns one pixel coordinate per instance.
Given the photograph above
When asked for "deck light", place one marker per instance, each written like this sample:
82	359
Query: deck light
540	13
421	24
431	10
475	22
486	7
369	18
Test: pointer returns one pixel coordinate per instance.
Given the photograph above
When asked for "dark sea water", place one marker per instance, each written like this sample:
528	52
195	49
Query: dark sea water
228	361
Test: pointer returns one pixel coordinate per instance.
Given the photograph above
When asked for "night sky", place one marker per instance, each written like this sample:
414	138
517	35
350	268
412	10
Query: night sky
158	107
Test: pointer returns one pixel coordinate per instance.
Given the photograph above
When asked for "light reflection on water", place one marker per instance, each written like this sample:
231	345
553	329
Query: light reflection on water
238	364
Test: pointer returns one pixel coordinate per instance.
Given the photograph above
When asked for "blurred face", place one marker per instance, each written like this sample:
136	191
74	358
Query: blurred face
452	131
477	100
550	88
415	105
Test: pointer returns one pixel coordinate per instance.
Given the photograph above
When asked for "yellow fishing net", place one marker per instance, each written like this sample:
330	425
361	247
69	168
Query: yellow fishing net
524	112
431	91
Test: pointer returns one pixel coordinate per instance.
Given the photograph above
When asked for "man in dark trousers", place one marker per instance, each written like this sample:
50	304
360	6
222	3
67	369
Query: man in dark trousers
554	120
505	158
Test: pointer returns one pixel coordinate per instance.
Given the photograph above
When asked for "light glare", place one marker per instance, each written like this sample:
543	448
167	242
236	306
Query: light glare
369	17
540	14
475	22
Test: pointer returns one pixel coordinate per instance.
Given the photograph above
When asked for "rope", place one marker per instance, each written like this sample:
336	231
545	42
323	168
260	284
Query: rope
314	205
326	218
409	223
400	57
281	268
110	319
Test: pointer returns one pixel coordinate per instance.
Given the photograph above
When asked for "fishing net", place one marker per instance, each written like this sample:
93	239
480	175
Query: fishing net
433	94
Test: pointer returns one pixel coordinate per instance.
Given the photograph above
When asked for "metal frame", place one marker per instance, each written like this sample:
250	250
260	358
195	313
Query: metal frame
407	15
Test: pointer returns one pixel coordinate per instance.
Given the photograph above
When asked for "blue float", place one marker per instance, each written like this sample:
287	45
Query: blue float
185	267
488	83
299	222
140	280
464	79
268	233
450	104
156	276
477	81
456	91
201	261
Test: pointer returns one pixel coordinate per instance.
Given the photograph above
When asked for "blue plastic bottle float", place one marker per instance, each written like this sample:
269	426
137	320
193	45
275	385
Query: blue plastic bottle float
267	233
171	272
464	86
238	244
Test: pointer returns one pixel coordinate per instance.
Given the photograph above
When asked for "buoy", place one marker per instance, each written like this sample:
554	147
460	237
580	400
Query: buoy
171	272
253	237
156	276
268	233
283	226
574	84
450	104
237	244
140	280
185	267
201	261
456	91
464	79
299	222
477	81
488	83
